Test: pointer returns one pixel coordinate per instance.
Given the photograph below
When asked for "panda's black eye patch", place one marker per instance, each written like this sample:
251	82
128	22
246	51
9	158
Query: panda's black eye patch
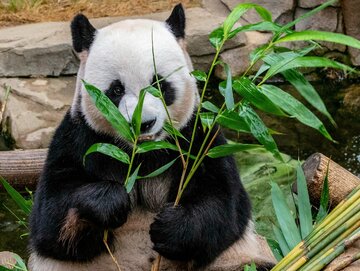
167	90
115	92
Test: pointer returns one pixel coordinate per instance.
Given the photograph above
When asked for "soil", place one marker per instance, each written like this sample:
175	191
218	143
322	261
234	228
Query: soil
16	12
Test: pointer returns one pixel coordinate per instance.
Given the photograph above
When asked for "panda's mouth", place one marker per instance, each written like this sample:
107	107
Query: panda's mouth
150	137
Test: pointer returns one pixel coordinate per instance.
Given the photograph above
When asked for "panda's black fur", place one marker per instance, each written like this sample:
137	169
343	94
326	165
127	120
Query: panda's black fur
214	211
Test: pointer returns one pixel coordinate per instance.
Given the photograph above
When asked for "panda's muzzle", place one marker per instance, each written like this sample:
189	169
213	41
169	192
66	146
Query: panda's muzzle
147	125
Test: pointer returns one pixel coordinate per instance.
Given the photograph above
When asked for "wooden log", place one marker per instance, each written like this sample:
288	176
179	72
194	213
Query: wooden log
341	181
22	168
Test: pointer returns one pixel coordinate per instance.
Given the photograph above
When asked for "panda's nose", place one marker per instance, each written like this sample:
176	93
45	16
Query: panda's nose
146	125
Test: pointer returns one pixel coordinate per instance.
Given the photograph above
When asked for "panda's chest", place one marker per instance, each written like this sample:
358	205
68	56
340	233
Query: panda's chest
153	193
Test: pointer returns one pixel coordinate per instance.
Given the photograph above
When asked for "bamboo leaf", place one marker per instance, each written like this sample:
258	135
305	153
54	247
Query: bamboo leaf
232	120
261	26
226	90
210	106
109	150
324	199
173	131
199	75
159	170
247	89
23	204
281	240
207	119
155	145
153	91
109	111
259	129
136	118
20	264
131	181
275	248
295	108
304	205
284	217
308	35
228	149
216	37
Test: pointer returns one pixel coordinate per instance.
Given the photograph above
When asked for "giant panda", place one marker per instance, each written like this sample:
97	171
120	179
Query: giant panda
76	202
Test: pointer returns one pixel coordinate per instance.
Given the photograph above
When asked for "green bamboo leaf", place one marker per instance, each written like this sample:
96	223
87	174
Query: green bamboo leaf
131	181
3	268
136	118
305	62
324	199
304	205
20	264
207	119
109	150
226	90
284	217
210	106
173	131
247	89
159	170
261	26
302	85
275	248
238	11
232	120
251	267
216	37
155	145
263	68
228	149
153	91
257	53
23	204
321	35
199	75
109	111
293	107
259	129
281	240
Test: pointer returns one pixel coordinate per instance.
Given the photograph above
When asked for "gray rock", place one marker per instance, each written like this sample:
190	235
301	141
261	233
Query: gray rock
36	107
276	7
328	20
45	49
216	7
351	12
314	3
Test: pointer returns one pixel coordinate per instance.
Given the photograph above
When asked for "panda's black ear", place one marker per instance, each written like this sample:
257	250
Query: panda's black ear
82	33
176	21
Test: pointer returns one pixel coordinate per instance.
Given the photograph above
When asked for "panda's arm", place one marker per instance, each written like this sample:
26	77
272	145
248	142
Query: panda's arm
213	213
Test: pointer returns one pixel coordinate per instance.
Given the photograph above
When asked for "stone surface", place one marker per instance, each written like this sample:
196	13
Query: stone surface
325	20
314	3
351	12
216	7
276	7
44	49
36	107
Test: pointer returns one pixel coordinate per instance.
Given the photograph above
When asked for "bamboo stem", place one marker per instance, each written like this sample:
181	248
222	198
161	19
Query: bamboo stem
109	250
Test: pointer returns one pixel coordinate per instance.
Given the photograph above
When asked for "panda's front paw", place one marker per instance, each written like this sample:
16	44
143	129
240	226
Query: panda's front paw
173	234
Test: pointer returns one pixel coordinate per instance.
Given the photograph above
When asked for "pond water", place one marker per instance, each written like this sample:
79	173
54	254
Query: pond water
257	169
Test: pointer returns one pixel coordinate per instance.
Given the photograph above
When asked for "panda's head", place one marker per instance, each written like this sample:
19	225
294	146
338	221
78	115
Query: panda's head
118	60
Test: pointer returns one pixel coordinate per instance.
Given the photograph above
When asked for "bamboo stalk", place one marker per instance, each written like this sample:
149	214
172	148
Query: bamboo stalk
344	263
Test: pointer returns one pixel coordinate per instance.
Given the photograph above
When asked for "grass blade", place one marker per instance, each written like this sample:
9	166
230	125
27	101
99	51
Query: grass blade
109	150
304	205
23	204
295	108
284	217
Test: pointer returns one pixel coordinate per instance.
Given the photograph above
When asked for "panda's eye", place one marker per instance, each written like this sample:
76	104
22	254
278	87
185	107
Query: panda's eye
116	88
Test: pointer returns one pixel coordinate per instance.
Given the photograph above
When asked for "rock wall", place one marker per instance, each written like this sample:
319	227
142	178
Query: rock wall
44	51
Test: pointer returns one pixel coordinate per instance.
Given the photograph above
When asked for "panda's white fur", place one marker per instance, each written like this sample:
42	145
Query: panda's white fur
121	50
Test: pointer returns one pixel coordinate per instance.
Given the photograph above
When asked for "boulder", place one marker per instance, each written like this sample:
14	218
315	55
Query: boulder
276	7
314	3
44	49
36	107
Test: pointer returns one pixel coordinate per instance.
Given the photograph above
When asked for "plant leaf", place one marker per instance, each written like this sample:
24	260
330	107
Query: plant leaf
109	111
207	119
227	90
210	106
321	35
281	240
259	130
173	131
304	205
228	149
275	248
155	145
131	181
295	108
23	204
136	118
109	150
261	26
216	37
284	217
232	120
247	89
325	198
199	75
159	170
153	91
